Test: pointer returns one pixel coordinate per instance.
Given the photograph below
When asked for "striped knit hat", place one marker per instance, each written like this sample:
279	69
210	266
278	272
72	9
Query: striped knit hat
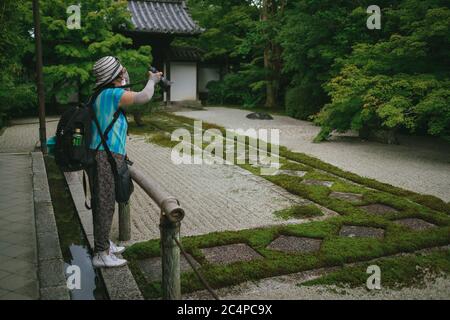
106	70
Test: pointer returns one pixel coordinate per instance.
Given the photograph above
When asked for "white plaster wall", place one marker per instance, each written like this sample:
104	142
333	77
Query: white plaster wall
184	76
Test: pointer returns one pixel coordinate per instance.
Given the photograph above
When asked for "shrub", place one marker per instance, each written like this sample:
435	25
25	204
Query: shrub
302	102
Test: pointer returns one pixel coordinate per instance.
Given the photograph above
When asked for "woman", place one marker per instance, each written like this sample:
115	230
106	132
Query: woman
111	74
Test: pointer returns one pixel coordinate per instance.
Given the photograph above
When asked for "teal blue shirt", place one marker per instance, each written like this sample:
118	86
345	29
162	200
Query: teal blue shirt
105	106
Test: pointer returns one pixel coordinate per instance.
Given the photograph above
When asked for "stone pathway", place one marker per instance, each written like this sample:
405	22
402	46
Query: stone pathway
18	252
29	269
24	135
421	164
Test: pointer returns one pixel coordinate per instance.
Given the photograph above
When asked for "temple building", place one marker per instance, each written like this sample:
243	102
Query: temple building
157	23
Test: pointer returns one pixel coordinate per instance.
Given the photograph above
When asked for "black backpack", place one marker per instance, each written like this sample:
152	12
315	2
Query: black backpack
72	152
74	136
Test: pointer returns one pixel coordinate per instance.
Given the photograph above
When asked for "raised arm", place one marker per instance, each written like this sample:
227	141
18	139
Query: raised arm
131	97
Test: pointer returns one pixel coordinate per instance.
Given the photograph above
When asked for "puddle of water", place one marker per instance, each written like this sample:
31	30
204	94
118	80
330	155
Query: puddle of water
91	285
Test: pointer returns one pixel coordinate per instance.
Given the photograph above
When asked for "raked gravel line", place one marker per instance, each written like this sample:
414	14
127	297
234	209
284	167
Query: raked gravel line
215	197
420	164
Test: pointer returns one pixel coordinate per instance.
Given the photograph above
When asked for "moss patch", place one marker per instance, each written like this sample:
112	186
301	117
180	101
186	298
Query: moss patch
396	272
299	212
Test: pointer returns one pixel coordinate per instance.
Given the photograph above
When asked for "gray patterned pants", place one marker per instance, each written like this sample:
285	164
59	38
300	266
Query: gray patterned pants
103	198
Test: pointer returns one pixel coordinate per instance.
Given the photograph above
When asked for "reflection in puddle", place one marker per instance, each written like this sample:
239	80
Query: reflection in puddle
90	282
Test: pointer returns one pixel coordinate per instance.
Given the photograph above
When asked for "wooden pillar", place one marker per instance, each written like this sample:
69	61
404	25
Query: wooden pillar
124	221
39	77
170	255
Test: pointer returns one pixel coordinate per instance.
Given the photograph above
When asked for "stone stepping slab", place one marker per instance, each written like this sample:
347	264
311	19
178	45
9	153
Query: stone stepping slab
415	223
378	209
314	182
152	268
291	244
230	253
361	232
346	196
293	173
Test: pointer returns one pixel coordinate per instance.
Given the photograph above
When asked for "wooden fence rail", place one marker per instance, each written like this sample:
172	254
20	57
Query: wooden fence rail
170	221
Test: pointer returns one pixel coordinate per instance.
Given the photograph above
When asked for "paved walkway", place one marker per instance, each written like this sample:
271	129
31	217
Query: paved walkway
31	265
18	258
420	164
23	135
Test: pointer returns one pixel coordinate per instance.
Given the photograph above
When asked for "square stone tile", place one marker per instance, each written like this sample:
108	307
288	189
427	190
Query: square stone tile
19	251
346	196
14	296
14	282
378	209
415	223
230	253
14	265
361	232
292	244
314	182
152	269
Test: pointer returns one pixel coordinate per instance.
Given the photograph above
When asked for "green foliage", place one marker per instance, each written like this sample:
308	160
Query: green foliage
70	54
227	24
302	102
314	35
396	83
17	95
243	88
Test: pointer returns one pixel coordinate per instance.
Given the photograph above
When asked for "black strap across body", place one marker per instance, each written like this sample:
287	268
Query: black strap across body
122	179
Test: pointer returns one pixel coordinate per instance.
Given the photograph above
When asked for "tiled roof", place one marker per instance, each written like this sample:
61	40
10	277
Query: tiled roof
184	54
162	16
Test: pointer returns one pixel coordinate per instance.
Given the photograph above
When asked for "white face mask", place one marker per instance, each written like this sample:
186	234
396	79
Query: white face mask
125	78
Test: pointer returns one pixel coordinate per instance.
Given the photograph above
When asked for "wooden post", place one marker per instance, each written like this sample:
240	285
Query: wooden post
39	77
169	226
124	221
170	255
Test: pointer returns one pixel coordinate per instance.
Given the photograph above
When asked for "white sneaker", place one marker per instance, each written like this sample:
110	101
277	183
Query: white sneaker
113	248
107	260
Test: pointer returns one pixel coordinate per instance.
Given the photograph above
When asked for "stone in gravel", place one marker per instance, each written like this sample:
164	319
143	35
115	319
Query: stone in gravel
378	209
314	182
259	116
361	232
230	253
152	269
293	173
292	244
346	196
415	223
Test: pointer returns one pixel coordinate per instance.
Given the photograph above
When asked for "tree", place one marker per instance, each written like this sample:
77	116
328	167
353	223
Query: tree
17	96
272	12
70	53
401	83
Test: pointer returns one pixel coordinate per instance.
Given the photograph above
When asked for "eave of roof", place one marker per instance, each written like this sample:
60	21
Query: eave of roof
162	17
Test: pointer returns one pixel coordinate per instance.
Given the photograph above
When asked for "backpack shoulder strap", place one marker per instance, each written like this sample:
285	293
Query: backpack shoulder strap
110	126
